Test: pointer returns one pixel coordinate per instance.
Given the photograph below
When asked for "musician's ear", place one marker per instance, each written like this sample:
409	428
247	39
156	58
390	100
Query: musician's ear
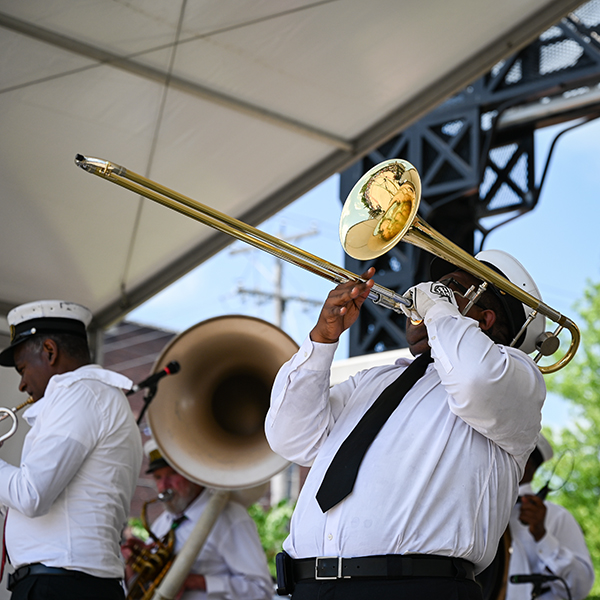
486	318
50	351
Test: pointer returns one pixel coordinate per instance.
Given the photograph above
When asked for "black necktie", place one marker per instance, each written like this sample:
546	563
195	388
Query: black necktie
178	521
341	474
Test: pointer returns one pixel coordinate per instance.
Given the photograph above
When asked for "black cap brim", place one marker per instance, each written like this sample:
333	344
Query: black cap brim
6	356
440	267
39	326
159	463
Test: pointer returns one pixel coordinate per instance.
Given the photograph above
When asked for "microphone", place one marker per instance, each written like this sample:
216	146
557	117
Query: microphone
533	578
172	368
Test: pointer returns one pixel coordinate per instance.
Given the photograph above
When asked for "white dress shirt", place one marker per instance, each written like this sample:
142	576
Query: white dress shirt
69	499
562	552
442	475
232	560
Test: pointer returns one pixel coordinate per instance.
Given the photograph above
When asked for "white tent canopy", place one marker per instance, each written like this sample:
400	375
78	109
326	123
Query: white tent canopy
242	104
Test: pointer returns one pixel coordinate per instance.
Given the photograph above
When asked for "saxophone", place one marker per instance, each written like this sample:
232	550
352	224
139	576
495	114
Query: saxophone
149	564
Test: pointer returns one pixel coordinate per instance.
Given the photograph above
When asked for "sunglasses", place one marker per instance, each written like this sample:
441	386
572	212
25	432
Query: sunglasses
459	288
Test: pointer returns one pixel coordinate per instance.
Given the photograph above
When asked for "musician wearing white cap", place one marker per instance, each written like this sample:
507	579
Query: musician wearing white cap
232	564
547	542
420	510
69	498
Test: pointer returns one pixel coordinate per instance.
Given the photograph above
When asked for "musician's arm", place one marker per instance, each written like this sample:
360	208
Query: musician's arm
303	407
49	464
237	542
499	391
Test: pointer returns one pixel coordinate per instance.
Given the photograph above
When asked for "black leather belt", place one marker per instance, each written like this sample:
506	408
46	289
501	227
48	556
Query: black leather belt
40	569
388	566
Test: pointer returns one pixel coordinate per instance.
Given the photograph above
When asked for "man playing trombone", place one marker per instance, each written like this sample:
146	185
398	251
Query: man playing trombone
409	499
69	498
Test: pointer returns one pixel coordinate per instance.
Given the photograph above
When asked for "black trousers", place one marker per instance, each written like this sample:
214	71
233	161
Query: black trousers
67	587
388	589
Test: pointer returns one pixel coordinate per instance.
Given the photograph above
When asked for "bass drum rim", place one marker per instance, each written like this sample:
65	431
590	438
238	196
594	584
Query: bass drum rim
494	579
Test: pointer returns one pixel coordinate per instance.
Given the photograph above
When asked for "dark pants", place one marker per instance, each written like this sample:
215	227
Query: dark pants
388	589
67	587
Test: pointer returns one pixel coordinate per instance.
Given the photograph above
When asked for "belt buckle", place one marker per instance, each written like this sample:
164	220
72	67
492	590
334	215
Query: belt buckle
318	566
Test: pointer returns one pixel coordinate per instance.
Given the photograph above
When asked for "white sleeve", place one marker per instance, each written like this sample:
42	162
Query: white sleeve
33	487
248	576
68	433
303	407
498	391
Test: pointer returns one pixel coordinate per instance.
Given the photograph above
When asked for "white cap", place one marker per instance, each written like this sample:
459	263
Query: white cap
154	455
150	446
544	447
43	309
515	272
44	316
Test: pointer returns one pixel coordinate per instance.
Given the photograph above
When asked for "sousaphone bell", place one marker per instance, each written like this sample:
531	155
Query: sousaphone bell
208	419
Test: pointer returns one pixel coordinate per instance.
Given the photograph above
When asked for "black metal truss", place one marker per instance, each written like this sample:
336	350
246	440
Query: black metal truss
476	162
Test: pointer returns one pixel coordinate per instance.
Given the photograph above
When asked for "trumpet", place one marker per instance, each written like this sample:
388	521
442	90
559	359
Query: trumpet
380	211
11	413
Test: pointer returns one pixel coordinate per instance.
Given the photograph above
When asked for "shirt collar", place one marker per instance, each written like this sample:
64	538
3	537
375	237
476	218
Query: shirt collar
95	372
525	489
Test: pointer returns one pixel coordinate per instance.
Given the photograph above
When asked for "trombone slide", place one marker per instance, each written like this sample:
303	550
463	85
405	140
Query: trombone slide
217	220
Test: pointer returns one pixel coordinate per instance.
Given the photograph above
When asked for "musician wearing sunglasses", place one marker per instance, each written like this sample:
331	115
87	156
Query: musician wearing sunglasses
415	465
69	498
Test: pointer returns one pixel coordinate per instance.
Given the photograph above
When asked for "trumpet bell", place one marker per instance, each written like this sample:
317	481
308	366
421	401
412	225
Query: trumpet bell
8	413
208	419
380	209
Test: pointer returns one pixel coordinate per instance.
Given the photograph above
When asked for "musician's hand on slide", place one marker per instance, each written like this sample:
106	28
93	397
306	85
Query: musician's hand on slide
533	513
424	296
341	309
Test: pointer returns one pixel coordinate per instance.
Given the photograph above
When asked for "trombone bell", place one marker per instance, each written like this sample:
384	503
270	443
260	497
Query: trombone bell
380	209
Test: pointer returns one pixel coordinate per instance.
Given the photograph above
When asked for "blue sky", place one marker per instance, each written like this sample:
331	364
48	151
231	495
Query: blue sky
558	242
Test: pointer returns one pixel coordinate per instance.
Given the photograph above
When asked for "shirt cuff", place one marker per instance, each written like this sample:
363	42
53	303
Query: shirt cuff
439	310
314	356
214	584
547	547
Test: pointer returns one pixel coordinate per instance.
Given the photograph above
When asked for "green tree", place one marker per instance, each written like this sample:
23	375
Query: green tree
579	382
273	526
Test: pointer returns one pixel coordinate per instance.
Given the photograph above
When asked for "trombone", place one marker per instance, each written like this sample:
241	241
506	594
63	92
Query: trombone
380	211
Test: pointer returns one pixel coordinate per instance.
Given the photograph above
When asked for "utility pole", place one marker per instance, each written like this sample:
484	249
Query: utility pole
277	294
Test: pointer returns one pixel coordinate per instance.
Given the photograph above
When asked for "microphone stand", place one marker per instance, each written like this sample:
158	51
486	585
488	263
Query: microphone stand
539	589
538	584
148	397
